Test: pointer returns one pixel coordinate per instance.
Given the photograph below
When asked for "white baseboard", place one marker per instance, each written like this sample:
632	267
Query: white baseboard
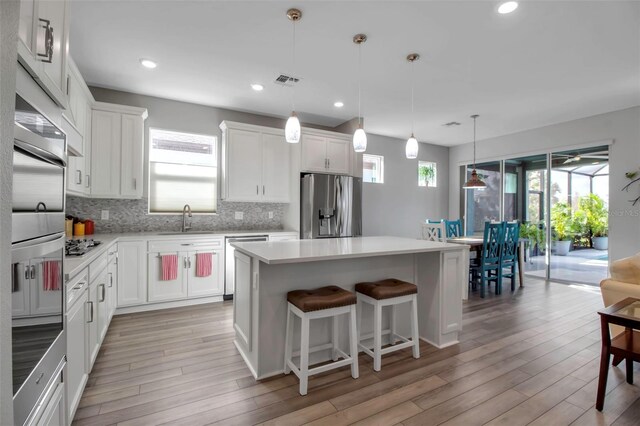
167	305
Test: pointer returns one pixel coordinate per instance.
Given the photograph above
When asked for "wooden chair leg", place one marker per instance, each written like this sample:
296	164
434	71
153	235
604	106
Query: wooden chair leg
482	283
602	379
629	370
617	359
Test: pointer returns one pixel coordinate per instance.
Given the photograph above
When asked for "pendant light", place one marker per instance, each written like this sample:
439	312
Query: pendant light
292	128
474	182
359	136
411	149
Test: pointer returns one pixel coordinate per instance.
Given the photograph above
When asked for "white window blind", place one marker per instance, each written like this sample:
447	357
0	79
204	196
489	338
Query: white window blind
182	170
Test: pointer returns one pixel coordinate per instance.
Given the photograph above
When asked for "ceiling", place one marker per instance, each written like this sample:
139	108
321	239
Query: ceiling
547	62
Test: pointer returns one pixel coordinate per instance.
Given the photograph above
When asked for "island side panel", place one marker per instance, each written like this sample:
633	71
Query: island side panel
276	280
245	309
441	279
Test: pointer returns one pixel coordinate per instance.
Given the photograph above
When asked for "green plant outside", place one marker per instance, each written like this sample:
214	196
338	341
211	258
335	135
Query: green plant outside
591	218
427	173
562	221
534	233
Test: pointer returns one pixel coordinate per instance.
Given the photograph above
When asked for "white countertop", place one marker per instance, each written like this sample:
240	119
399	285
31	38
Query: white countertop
277	252
73	265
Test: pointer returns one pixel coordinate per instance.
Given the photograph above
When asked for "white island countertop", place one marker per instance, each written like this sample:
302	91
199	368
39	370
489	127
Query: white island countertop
279	252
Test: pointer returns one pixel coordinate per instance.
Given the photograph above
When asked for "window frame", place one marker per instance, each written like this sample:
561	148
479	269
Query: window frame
381	171
216	153
422	163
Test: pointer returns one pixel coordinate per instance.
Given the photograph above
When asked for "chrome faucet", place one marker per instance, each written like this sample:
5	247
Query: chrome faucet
186	210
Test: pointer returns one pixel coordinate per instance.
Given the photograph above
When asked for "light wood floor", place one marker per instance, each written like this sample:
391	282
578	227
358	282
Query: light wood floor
530	357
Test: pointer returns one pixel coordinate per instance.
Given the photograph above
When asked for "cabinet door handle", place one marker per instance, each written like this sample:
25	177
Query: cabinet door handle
103	292
90	312
262	189
328	163
110	279
189	260
88	181
135	183
33	272
26	272
47	56
78	177
257	189
184	260
79	285
15	285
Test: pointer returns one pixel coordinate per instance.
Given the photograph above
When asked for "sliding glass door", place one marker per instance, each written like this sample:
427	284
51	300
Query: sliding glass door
551	196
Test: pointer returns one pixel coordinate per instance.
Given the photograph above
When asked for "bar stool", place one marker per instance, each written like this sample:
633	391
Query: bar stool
389	292
324	302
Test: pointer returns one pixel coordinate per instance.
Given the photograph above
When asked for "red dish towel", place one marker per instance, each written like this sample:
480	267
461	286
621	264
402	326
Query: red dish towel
169	267
51	275
204	264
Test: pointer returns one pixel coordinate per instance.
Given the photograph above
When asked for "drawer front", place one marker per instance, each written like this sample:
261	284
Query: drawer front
185	245
97	266
76	288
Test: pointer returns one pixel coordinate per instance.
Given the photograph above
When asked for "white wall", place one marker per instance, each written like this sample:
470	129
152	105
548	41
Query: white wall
9	12
399	205
621	126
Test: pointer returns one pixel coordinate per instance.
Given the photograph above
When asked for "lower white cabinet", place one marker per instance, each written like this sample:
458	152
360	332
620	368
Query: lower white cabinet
103	314
93	332
132	273
53	411
112	281
77	328
187	283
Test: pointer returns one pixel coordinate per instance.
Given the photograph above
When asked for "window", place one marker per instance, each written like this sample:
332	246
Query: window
427	174
372	168
182	170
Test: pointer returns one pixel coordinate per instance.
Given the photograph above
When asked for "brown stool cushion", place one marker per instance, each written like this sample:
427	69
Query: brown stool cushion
321	298
386	289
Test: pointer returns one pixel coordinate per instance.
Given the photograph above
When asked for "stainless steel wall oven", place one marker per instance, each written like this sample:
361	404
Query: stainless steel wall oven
37	283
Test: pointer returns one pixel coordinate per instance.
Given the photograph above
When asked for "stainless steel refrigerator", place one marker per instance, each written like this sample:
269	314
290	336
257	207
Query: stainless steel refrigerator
331	206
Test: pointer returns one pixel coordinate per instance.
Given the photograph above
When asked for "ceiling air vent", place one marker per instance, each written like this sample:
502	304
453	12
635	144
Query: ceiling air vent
451	124
286	80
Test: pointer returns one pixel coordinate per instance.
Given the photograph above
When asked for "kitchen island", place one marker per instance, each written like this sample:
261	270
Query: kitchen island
266	271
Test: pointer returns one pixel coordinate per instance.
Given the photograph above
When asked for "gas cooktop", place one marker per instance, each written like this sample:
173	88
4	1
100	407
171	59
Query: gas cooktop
80	247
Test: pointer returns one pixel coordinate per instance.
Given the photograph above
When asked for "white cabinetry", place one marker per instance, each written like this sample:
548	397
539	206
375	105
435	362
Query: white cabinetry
43	44
187	283
132	273
255	163
326	152
289	236
117	147
52	412
28	297
77	327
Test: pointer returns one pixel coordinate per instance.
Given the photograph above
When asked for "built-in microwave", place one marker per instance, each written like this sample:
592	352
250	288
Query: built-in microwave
37	259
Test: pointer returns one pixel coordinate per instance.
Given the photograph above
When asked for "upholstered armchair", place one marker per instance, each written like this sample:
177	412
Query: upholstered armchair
624	282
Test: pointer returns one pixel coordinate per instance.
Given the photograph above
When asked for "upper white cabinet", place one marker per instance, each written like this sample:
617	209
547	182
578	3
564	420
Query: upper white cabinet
326	152
255	163
117	147
43	44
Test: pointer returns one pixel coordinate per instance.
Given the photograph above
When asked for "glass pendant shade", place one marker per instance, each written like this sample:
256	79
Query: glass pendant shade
359	140
474	182
412	148
292	129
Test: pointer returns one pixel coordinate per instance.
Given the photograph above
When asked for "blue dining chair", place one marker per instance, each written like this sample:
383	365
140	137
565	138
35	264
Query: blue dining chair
509	254
454	228
488	266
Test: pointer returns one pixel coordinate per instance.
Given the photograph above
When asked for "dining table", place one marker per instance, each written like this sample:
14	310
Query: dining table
475	244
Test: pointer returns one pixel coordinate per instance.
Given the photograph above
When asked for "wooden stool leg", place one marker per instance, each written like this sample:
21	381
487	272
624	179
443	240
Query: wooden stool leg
288	345
377	336
335	336
353	343
629	336
392	323
414	327
304	356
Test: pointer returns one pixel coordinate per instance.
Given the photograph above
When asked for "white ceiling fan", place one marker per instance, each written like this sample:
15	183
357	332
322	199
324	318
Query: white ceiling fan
593	155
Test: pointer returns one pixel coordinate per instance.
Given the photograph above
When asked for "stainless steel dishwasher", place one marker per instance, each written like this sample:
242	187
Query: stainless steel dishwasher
229	272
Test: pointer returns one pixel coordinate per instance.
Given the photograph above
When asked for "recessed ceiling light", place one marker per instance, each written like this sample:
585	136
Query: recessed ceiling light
257	87
507	7
148	63
338	104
